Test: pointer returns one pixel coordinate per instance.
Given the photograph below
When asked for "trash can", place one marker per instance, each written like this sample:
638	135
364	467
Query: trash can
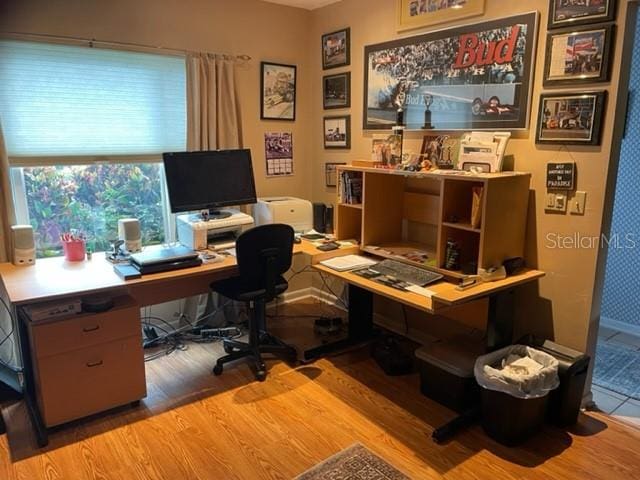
515	382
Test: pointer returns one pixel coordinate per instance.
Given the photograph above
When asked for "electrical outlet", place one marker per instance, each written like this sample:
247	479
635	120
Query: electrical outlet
578	203
556	202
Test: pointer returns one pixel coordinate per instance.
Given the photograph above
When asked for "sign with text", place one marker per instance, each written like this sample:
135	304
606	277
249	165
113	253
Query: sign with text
561	176
468	77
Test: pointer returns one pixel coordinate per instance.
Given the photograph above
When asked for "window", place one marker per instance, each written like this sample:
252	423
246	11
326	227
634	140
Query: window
85	129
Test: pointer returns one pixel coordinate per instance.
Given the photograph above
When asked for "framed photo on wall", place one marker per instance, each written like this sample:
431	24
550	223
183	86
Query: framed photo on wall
277	91
336	49
337	131
571	118
578	56
422	13
336	91
331	173
470	77
565	13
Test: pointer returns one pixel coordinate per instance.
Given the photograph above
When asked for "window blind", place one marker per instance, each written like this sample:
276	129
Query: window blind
60	100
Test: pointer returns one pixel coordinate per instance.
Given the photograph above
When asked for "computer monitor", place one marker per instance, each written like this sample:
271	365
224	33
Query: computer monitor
209	180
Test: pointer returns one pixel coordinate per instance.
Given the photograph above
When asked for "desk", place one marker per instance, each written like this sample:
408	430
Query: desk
55	278
445	295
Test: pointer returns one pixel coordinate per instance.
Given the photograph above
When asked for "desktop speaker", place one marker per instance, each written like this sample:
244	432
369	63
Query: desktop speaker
129	232
323	218
24	246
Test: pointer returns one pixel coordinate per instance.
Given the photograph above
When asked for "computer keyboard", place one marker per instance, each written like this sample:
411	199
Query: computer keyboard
407	273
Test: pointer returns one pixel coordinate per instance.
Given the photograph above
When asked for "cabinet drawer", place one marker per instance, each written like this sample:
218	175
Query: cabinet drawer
85	330
75	384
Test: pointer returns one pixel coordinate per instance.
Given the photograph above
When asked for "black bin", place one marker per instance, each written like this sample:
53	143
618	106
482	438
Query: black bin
510	420
446	372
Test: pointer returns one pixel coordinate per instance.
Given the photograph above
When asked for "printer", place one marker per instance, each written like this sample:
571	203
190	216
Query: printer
288	210
216	234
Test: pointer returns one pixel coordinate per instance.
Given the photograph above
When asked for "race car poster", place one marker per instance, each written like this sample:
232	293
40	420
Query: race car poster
471	77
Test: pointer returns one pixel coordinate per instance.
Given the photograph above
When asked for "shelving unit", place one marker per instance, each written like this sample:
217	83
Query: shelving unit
406	214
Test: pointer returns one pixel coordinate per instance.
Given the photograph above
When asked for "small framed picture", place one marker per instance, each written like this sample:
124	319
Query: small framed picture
337	131
277	91
565	13
571	118
422	13
336	91
336	49
331	173
578	56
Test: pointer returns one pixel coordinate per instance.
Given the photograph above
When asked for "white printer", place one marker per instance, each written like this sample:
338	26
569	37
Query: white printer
288	210
199	234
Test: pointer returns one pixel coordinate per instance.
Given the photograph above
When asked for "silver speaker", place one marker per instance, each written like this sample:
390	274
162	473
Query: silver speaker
23	245
129	231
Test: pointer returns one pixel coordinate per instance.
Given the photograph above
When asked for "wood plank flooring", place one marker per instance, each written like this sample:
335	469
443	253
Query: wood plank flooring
193	425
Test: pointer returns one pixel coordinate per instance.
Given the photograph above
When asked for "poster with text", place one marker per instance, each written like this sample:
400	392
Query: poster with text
472	77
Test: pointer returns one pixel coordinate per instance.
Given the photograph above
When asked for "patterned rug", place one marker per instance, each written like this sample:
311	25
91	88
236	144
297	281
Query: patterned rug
353	463
618	368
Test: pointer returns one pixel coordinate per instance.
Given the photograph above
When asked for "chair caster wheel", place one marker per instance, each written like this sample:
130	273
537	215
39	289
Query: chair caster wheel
217	370
261	375
227	348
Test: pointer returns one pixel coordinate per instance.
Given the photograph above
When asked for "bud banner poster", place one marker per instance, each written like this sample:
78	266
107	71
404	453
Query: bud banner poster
470	77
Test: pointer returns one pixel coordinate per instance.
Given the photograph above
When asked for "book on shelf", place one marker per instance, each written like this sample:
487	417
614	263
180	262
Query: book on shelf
351	188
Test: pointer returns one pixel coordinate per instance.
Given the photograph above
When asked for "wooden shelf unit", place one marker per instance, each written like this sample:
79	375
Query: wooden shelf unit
406	212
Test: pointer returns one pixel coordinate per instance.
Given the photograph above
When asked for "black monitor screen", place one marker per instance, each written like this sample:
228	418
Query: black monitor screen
209	180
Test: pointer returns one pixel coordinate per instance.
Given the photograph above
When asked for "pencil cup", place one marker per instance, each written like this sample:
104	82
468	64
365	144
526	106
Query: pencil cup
74	250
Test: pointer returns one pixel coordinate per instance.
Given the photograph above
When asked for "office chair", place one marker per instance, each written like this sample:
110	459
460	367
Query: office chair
263	254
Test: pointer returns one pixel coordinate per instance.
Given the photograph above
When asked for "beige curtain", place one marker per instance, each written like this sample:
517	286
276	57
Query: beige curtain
213	122
7	215
213	112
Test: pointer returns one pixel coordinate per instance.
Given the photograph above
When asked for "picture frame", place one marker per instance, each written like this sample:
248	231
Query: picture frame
563	14
577	56
337	132
449	87
336	49
277	91
422	13
331	173
571	118
336	91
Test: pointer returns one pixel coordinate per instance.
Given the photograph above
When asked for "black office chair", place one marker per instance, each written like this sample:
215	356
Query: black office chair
264	254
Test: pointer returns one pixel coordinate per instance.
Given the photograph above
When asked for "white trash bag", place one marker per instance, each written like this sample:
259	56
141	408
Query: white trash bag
520	371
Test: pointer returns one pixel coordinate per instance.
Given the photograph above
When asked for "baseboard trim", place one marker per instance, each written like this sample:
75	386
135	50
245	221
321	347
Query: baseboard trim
620	326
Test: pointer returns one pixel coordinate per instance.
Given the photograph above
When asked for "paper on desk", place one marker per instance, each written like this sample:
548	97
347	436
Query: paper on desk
425	292
230	251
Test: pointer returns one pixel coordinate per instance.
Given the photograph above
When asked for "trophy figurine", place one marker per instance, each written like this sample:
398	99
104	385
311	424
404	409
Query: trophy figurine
428	101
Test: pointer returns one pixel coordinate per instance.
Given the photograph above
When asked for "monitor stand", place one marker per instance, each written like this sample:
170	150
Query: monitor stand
215	214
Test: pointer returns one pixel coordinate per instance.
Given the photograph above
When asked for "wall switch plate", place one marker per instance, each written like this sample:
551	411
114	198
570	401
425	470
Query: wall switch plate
556	202
577	203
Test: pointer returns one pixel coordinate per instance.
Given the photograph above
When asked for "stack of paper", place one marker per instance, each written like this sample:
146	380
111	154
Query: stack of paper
348	262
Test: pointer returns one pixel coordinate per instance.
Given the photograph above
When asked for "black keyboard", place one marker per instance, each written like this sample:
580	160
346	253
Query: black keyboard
407	273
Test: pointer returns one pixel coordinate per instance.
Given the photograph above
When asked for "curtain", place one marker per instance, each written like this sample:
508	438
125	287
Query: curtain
213	122
7	214
213	113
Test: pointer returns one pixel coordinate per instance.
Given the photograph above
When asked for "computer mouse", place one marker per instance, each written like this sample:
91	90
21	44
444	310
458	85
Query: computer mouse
297	240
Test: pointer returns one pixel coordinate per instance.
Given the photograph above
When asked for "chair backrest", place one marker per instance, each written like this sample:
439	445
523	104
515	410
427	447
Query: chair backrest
263	254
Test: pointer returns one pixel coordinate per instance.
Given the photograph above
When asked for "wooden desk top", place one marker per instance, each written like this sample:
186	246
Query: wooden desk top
444	293
52	278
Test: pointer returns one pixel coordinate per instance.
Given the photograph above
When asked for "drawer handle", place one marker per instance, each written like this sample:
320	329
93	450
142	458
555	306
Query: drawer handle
94	364
91	329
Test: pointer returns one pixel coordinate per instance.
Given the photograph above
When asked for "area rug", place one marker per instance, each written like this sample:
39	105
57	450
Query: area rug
618	368
353	463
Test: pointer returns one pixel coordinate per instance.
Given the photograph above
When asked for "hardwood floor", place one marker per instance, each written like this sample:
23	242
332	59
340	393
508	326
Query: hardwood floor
193	425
